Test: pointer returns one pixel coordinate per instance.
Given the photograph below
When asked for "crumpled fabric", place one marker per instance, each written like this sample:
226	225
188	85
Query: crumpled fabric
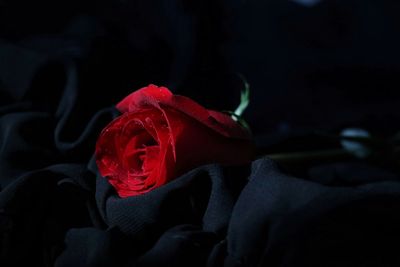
212	216
56	210
59	82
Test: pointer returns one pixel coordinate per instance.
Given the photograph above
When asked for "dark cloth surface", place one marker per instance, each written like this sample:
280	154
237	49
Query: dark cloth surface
56	209
322	65
214	216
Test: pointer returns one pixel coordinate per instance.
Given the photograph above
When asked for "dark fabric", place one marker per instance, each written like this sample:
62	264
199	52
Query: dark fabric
211	216
319	65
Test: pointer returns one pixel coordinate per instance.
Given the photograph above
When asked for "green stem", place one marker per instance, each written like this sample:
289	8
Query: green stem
311	157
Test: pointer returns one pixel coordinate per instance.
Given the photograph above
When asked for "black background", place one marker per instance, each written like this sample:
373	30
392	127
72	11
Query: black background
312	68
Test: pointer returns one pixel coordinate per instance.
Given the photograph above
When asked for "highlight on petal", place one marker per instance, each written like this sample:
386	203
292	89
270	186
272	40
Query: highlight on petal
160	97
144	97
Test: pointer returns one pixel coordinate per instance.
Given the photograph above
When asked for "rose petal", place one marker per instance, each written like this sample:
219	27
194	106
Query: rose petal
161	96
150	158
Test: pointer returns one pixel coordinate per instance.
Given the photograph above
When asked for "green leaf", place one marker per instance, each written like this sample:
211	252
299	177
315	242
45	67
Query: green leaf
244	99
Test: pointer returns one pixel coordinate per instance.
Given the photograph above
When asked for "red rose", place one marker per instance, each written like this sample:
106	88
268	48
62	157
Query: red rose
160	136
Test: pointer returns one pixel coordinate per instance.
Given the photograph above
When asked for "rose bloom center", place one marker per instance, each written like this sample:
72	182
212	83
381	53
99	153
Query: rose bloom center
140	155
